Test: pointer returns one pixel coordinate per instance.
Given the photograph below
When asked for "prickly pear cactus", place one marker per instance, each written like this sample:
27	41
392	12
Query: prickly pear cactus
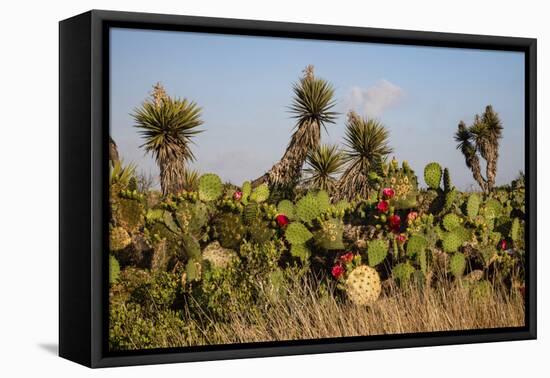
259	231
377	250
260	194
323	200
451	242
308	208
193	270
219	257
450	199
246	190
405	184
300	251
416	244
119	239
402	273
363	285
114	269
210	187
432	175
229	230
515	230
330	235
457	264
296	233
128	213
286	207
447	184
250	212
192	217
472	205
451	222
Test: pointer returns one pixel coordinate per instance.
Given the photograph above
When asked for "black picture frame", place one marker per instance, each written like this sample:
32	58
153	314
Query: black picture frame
83	196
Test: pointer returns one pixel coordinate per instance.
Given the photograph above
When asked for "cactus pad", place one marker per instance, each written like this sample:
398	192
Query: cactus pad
377	250
402	273
286	207
114	269
416	244
451	222
246	189
323	200
300	251
210	187
432	175
457	264
229	230
260	194
296	233
363	285
472	205
330	235
307	208
451	242
119	239
219	257
515	230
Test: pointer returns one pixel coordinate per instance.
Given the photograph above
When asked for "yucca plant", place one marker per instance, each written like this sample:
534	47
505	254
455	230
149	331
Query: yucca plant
191	180
312	108
482	138
323	165
366	148
168	126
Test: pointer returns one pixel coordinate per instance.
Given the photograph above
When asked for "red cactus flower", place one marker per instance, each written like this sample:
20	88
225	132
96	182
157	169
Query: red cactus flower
502	244
395	222
411	216
337	271
383	206
237	195
282	220
401	238
347	257
388	193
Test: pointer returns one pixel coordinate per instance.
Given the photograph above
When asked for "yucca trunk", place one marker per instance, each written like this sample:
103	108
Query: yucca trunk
172	172
288	170
113	152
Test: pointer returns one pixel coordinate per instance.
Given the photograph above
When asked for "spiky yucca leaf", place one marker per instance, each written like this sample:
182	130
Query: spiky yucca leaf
323	165
190	179
366	142
168	125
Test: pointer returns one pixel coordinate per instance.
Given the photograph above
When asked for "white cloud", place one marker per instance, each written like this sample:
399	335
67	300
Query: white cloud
373	101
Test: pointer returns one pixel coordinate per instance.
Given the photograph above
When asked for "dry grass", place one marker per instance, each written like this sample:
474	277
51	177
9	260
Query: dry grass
306	313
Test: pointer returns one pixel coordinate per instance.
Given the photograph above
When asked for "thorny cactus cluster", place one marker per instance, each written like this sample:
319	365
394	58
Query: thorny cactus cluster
231	246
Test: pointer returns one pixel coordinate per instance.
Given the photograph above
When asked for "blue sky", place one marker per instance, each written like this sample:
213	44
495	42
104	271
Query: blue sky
243	85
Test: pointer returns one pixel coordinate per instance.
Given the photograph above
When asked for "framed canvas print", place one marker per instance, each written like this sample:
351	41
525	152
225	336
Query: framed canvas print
233	188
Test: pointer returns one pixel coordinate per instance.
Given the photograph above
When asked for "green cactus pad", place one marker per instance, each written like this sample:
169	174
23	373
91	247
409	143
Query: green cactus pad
169	222
246	190
402	273
493	208
330	235
114	269
377	250
416	244
515	230
250	212
451	222
128	213
260	194
447	184
260	232
191	247
481	290
229	230
210	187
193	270
323	199
422	258
457	264
119	239
472	205
450	199
300	251
297	233
432	175
307	208
286	207
192	217
451	242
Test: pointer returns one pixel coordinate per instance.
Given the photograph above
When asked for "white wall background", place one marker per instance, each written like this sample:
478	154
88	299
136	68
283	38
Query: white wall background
29	185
